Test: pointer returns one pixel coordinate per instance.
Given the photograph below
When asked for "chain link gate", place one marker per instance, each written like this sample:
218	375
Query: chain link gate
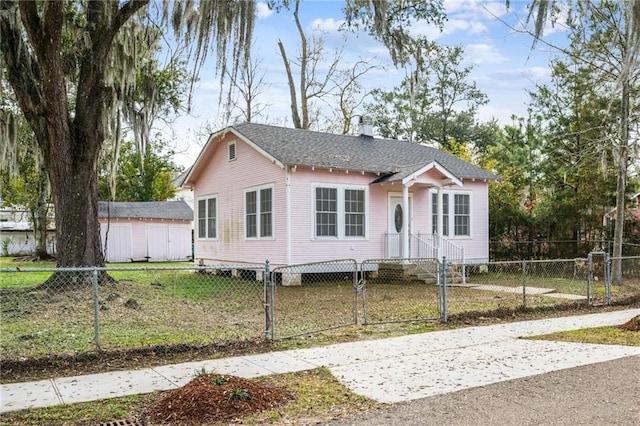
599	286
310	298
396	290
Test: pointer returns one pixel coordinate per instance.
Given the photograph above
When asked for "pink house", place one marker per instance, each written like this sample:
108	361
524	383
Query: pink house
296	196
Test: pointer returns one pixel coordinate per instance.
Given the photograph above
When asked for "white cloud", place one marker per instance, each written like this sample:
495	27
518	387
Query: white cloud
531	74
475	9
263	10
327	26
455	25
484	54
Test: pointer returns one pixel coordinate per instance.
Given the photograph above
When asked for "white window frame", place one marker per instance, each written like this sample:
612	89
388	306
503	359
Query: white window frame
232	152
446	224
452	216
259	213
455	216
207	217
341	213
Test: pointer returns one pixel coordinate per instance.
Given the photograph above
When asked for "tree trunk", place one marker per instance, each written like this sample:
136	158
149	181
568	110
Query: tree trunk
40	219
621	185
78	229
292	88
69	143
304	57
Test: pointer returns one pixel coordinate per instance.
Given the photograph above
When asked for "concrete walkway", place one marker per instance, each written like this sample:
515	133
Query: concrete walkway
388	370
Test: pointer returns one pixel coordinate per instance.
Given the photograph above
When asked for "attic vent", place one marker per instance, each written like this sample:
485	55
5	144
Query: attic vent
232	151
366	126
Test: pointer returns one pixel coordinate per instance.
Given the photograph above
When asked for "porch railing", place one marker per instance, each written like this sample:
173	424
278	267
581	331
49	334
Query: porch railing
434	246
424	246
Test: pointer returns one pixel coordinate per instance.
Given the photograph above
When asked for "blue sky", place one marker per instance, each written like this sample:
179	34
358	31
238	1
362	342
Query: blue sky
506	66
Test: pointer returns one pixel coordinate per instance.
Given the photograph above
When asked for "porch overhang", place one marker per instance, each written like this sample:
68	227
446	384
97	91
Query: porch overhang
422	175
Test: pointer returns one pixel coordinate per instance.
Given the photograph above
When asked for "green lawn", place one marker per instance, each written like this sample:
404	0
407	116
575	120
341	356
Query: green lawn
172	303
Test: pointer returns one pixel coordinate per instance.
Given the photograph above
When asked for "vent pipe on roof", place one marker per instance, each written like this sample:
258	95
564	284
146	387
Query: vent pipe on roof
366	126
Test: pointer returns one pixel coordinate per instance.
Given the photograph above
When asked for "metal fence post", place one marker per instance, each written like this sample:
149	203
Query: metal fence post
445	308
356	288
607	278
96	308
590	279
524	283
268	303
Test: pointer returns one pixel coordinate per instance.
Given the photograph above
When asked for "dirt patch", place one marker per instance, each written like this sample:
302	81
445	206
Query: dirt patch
214	398
632	325
44	367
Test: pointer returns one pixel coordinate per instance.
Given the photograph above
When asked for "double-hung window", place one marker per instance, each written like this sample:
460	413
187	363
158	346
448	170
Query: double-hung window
462	215
326	212
445	213
207	217
259	212
340	211
460	211
354	213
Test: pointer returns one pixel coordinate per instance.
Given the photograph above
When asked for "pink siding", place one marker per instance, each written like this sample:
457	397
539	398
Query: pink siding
228	180
476	248
307	249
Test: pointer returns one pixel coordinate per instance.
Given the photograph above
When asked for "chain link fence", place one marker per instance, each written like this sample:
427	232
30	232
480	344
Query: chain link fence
396	290
627	288
67	311
537	283
312	297
75	310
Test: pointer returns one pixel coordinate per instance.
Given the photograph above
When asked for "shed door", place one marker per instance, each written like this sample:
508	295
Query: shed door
116	242
179	242
157	242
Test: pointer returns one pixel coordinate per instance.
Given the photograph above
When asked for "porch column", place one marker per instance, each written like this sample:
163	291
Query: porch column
405	221
287	174
440	228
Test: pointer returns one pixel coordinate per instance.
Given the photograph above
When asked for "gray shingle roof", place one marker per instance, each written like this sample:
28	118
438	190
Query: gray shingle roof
178	181
357	153
145	210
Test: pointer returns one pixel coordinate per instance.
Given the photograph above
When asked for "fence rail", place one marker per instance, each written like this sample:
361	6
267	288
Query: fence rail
73	310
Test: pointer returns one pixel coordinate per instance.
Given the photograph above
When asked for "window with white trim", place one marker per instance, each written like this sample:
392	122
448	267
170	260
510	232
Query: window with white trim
354	213
340	211
258	221
326	212
445	214
460	210
207	217
461	215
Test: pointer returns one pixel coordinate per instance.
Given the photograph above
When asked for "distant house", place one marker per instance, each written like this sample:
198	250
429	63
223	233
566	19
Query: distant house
182	193
296	196
145	231
631	218
17	234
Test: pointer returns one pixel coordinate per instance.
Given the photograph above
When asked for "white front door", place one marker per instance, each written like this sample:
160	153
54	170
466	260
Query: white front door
395	226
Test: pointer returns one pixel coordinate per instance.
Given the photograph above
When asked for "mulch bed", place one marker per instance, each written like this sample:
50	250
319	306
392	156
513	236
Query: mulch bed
632	325
214	398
